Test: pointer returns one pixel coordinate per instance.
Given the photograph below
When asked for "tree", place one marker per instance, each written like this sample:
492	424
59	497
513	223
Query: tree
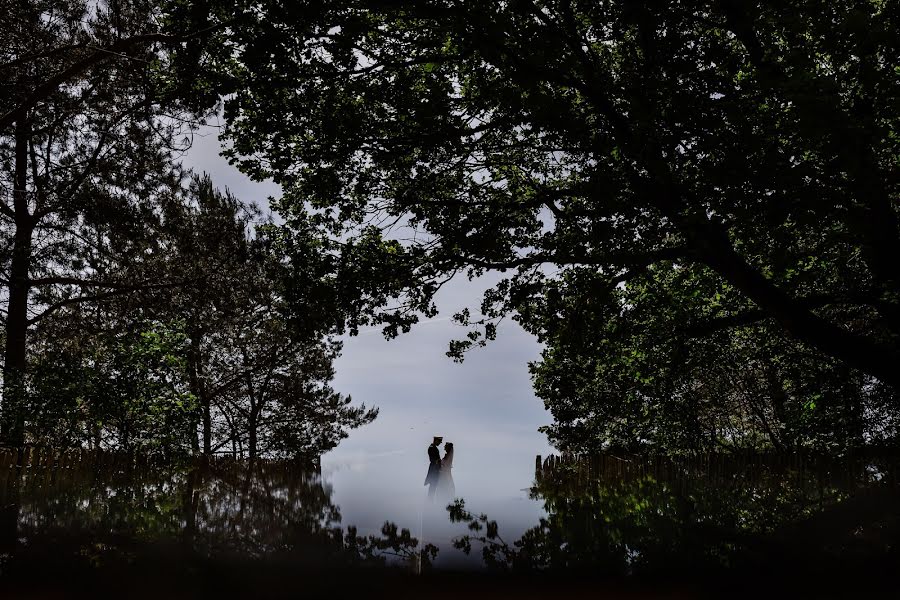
648	369
280	403
613	517
754	144
128	280
207	245
122	386
258	364
87	131
218	359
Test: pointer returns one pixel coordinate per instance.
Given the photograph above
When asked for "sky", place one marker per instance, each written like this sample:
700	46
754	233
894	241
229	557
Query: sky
486	405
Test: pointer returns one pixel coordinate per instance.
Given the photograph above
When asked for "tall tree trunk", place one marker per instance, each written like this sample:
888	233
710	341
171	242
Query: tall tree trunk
203	417
252	424
196	388
207	426
253	414
12	420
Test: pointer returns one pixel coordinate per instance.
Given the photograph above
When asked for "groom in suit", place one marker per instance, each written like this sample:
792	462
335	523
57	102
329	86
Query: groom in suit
434	465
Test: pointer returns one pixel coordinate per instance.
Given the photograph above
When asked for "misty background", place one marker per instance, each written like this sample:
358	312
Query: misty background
486	405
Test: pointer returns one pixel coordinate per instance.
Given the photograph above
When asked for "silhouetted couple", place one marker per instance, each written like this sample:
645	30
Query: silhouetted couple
440	476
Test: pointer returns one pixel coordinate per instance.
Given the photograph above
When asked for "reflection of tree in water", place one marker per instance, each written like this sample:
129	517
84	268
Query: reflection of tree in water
121	513
609	516
259	510
393	542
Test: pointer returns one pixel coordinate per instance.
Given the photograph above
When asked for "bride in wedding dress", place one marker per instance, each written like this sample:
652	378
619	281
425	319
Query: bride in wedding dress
445	487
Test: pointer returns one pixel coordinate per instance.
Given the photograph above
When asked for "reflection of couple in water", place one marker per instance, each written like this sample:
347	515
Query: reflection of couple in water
440	477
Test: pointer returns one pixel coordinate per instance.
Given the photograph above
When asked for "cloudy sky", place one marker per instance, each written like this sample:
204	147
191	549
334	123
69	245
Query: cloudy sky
485	406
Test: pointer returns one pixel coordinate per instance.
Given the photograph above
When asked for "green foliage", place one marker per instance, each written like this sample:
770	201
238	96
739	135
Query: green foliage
122	389
695	204
494	550
697	517
260	308
665	363
112	517
88	147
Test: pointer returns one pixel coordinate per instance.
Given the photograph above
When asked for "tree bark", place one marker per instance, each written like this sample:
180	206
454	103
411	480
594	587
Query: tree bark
207	427
12	423
195	387
203	419
252	424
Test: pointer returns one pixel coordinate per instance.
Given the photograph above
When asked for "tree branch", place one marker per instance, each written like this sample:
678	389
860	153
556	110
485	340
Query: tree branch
102	54
625	259
118	290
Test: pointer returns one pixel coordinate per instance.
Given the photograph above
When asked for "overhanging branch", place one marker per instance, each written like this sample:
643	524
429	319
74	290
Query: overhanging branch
621	259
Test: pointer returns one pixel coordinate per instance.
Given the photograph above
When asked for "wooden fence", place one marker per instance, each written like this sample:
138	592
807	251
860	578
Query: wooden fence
80	458
738	468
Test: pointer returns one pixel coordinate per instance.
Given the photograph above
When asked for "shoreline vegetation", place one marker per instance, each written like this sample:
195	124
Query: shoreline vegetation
637	522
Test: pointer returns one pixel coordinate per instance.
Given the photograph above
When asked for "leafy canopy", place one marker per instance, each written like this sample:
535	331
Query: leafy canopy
667	171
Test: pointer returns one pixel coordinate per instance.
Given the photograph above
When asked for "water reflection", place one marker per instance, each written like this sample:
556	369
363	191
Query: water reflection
114	513
605	516
609	516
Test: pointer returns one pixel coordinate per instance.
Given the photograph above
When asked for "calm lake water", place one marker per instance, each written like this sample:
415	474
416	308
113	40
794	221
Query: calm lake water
684	521
372	488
